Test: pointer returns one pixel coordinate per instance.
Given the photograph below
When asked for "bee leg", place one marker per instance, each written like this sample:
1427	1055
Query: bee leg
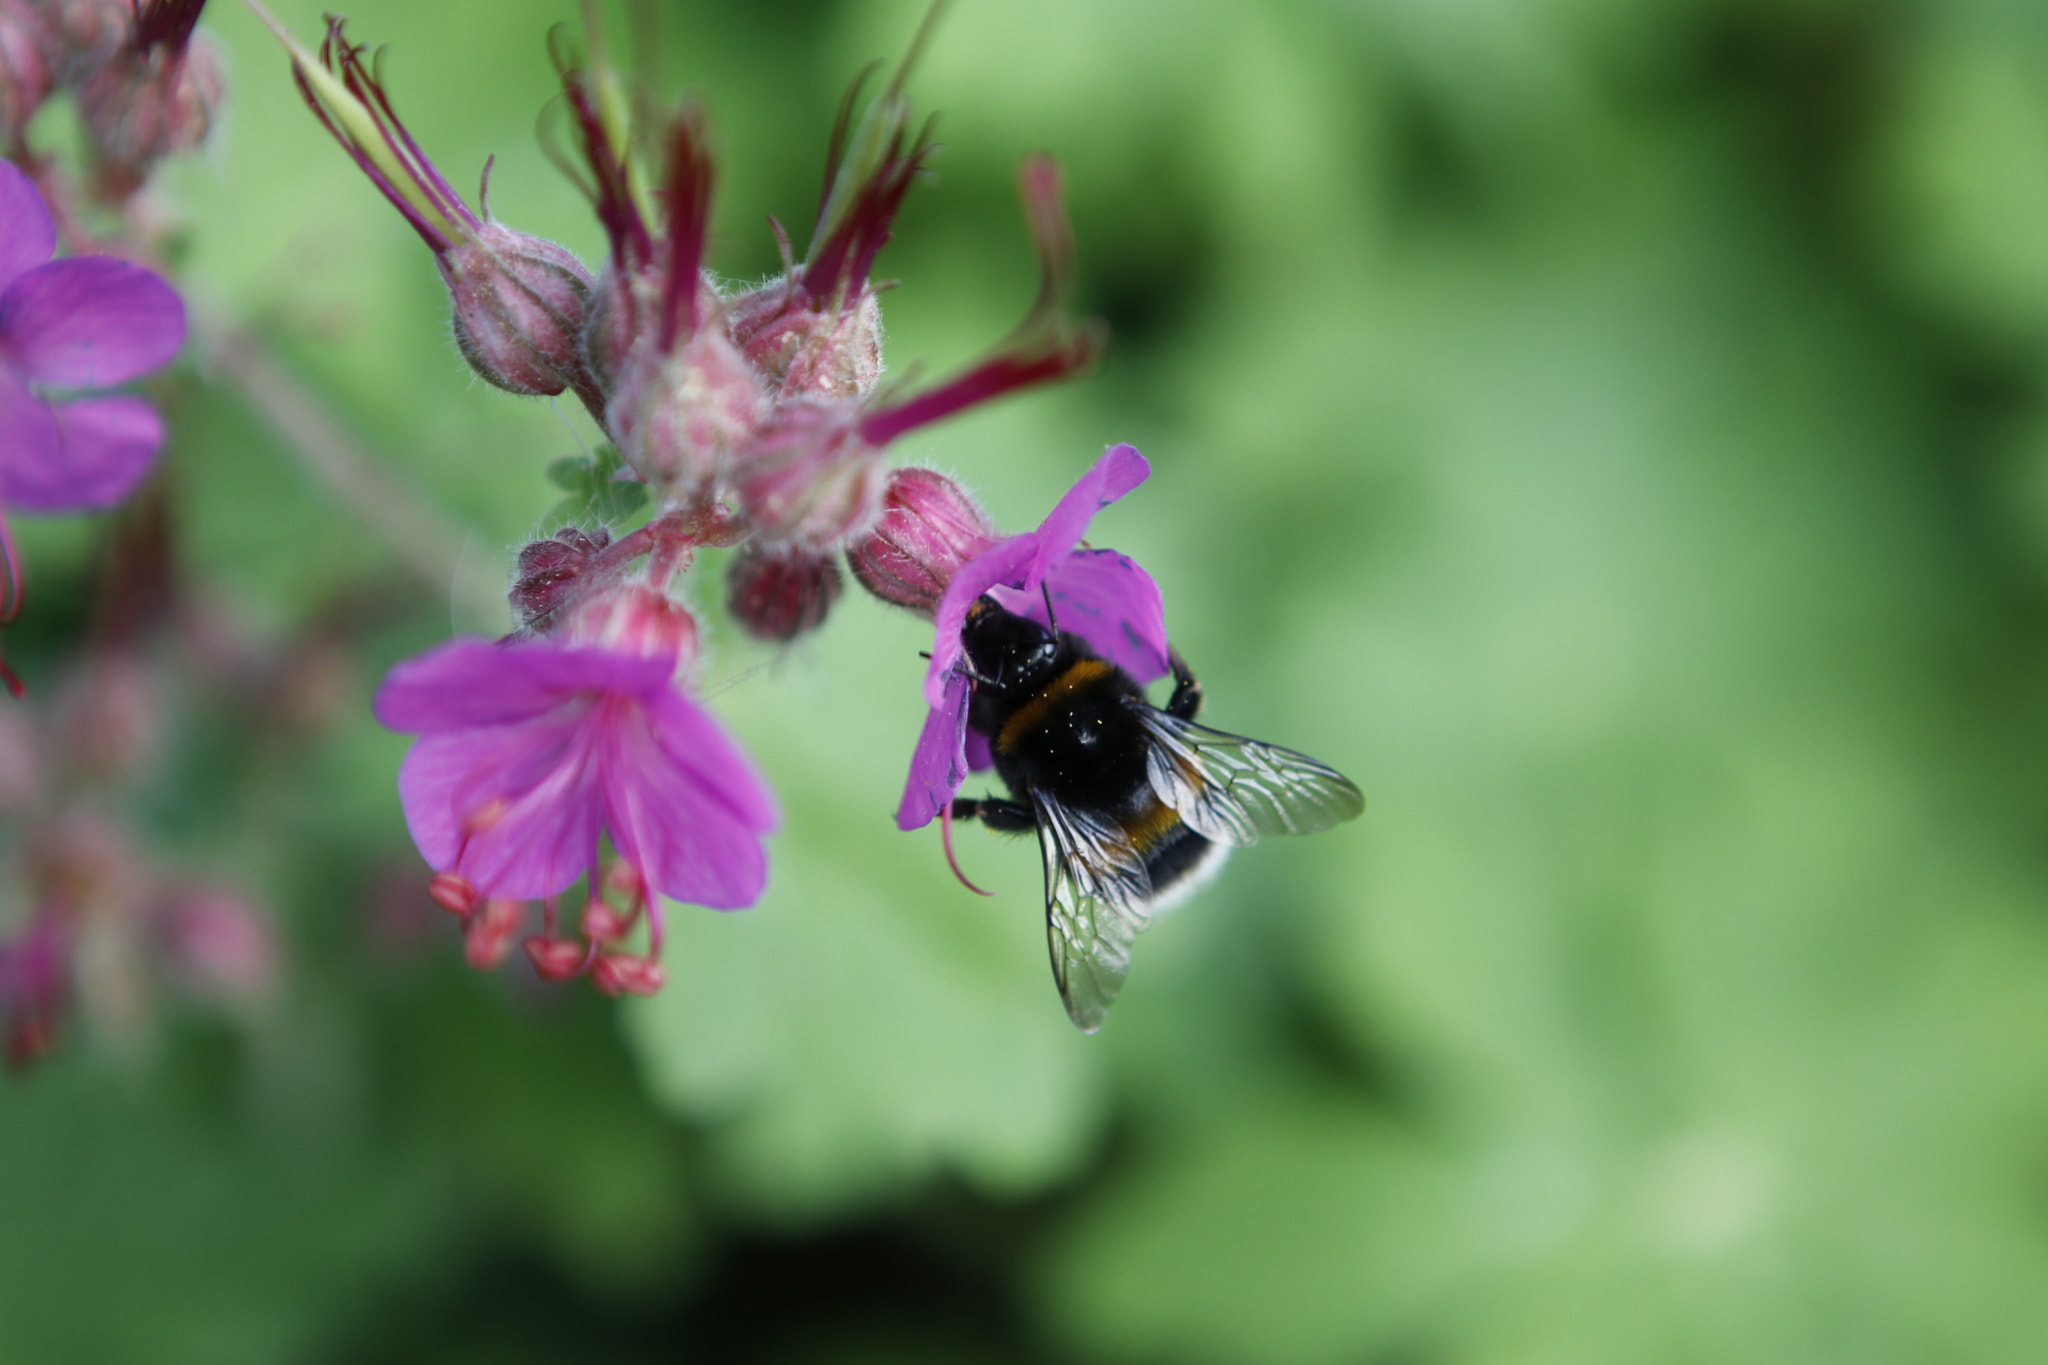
1187	691
1006	817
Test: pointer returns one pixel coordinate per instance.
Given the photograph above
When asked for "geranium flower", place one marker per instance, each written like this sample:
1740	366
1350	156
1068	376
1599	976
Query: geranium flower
83	322
530	754
1100	595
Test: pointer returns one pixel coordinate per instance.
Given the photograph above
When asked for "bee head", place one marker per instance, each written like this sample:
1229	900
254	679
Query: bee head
1005	651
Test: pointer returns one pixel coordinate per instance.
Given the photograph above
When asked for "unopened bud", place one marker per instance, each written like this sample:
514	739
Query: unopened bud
780	594
930	526
551	572
488	933
519	305
622	974
142	106
680	416
809	479
805	349
635	618
26	78
452	892
556	959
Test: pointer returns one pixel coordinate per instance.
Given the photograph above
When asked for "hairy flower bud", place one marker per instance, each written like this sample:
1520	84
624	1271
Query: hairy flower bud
802	349
551	571
779	594
146	104
519	304
679	416
809	479
81	34
930	526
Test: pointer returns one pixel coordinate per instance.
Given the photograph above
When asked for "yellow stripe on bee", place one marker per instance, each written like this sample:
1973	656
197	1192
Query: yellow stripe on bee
1147	827
1079	675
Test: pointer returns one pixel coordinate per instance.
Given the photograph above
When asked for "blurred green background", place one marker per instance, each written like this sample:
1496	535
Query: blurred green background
1615	432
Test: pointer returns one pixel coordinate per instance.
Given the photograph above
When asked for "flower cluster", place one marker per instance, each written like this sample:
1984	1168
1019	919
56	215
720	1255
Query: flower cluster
574	751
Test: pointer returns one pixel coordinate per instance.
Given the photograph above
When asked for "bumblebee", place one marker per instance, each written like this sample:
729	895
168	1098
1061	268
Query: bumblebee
1134	806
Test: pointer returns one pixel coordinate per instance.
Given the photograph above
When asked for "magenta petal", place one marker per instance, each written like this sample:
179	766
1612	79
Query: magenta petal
1120	469
939	764
88	321
980	757
513	808
1110	602
474	682
105	447
30	443
1002	563
27	234
685	805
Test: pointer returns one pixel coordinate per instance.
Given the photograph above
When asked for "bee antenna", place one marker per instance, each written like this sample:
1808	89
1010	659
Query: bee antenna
1052	621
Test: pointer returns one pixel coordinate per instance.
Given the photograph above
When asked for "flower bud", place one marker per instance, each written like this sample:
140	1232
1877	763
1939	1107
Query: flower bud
26	79
801	349
144	105
930	526
488	932
636	618
809	479
679	416
550	572
624	974
519	305
779	594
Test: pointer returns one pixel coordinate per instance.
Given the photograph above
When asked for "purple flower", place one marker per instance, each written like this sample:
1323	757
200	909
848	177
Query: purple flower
530	755
84	322
1099	595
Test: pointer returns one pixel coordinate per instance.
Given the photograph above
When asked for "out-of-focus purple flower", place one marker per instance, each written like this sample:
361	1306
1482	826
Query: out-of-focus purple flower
531	755
1099	595
216	944
83	322
35	981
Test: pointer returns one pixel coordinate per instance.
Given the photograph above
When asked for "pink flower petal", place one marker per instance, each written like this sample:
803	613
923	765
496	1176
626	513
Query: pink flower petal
105	447
687	808
1110	602
513	808
30	443
1120	469
89	321
27	234
939	764
475	682
1003	563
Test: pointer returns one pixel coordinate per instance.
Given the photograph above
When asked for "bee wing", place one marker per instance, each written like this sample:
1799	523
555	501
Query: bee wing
1095	893
1232	789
